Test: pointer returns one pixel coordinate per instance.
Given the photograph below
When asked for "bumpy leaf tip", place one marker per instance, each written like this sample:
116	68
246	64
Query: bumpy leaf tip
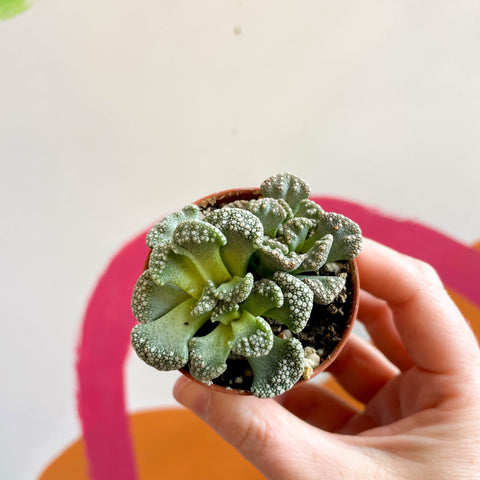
270	211
347	236
236	290
208	354
166	267
163	343
316	257
200	242
253	336
274	260
265	296
207	302
151	301
278	371
297	305
288	187
163	230
325	289
243	233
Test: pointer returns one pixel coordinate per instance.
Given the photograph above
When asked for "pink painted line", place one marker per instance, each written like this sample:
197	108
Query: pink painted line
458	265
102	350
105	338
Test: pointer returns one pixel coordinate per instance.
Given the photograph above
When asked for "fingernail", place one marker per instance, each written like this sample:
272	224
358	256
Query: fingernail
192	395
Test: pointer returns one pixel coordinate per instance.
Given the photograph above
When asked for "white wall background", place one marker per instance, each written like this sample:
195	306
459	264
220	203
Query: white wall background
114	112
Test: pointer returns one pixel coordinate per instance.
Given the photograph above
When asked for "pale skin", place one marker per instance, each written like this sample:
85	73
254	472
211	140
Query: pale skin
420	384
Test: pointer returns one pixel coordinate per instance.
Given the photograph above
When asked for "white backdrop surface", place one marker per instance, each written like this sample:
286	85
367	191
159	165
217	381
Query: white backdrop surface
113	113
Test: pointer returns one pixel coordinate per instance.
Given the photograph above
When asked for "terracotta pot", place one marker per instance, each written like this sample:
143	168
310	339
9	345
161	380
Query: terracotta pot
227	196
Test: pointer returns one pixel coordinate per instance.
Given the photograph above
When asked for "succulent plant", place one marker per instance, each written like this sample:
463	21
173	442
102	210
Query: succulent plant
218	279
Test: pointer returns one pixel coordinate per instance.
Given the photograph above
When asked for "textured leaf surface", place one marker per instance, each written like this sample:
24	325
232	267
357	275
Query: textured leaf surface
243	232
163	343
325	289
208	354
347	236
162	232
265	295
277	372
253	336
269	211
167	267
151	301
288	187
297	304
200	242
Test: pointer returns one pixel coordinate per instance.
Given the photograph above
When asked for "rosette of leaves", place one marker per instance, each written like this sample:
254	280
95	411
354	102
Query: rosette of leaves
240	268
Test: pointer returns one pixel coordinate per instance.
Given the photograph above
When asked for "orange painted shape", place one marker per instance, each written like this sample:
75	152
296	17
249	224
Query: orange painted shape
70	464
170	444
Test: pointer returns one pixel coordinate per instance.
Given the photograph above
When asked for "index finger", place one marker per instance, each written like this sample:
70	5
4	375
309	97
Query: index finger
431	327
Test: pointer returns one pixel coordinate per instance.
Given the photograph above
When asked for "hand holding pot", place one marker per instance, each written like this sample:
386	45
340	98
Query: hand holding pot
420	386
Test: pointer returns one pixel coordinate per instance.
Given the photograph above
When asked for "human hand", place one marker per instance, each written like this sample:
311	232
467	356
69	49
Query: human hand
420	386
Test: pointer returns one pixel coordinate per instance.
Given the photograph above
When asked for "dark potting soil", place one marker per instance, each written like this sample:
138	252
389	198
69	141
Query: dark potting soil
322	332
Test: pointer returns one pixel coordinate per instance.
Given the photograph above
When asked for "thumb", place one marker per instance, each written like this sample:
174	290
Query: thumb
275	441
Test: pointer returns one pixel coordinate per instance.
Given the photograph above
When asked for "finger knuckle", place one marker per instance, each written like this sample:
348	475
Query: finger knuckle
255	437
427	273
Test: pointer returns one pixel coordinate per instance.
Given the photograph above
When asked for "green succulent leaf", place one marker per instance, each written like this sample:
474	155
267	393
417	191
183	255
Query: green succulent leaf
309	209
269	211
163	343
273	243
273	260
236	290
200	242
151	301
347	236
242	204
265	295
297	304
295	231
163	231
243	232
288	187
325	289
287	208
317	256
208	354
277	372
253	336
225	312
207	301
167	267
